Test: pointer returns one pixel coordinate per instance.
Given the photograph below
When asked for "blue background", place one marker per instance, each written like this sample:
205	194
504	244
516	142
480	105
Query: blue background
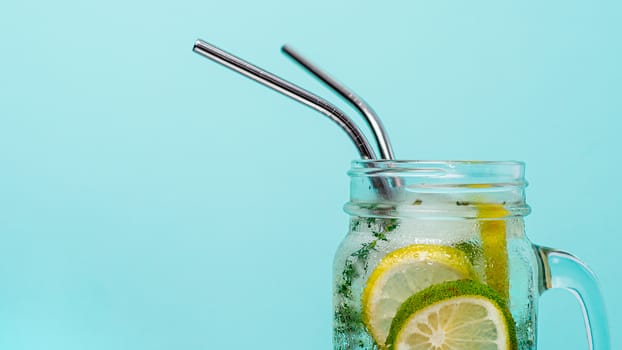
151	199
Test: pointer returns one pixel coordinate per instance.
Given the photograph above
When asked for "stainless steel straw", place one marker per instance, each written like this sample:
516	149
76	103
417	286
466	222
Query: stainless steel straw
290	90
382	139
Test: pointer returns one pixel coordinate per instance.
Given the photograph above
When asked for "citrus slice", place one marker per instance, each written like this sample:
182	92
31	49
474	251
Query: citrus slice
494	245
404	272
456	315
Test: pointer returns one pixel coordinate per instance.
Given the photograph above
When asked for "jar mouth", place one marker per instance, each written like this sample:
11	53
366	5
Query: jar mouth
444	172
438	161
435	188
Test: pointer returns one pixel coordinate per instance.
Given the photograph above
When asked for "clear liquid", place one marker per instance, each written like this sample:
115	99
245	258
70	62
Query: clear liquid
370	239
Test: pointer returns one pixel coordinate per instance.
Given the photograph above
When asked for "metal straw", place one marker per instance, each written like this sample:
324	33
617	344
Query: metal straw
382	139
370	116
290	90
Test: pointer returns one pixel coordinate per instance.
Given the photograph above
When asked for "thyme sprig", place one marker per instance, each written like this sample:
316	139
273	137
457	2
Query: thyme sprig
347	317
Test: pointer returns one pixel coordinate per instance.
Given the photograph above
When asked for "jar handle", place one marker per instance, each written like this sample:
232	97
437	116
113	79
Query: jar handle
562	270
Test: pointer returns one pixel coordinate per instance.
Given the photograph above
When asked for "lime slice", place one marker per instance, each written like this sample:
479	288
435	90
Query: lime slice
456	315
404	272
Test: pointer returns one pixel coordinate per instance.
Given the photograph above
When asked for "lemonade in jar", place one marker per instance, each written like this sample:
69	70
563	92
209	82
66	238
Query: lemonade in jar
441	262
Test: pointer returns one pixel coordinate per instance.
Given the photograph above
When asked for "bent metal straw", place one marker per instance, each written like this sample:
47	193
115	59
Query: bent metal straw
370	116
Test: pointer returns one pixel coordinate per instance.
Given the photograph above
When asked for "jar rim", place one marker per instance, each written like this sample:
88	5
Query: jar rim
508	170
365	162
436	183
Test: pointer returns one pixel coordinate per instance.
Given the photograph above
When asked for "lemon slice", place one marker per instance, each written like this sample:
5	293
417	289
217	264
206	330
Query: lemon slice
404	272
457	315
494	245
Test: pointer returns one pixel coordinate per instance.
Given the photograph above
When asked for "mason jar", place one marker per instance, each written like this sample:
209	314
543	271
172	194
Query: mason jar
436	257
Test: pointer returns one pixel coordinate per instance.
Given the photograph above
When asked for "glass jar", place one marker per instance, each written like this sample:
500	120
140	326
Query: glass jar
429	239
